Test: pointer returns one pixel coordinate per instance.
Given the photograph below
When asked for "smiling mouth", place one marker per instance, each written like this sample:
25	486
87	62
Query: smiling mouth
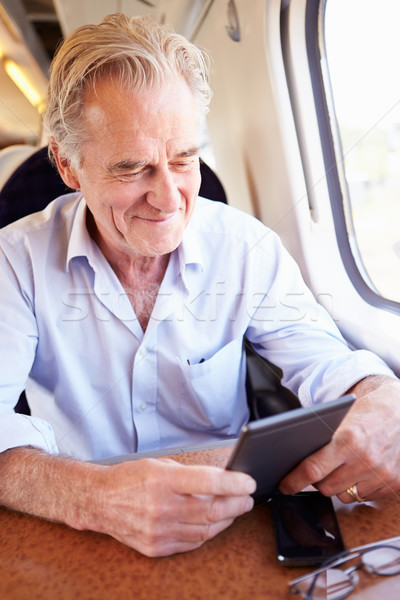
154	221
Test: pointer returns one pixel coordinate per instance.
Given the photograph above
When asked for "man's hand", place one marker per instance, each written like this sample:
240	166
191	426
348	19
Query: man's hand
364	451
156	506
160	507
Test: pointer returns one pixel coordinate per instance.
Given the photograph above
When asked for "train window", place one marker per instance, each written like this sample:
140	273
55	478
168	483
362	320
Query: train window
360	48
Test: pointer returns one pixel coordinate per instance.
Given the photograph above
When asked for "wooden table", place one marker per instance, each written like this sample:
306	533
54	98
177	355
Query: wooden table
47	561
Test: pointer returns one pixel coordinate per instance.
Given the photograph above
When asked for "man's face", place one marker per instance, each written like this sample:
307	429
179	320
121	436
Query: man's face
140	174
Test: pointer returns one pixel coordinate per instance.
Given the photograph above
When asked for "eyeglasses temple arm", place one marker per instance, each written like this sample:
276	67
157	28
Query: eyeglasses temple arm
347	555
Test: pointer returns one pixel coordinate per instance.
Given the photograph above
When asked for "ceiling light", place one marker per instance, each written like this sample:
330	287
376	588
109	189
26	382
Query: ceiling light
20	79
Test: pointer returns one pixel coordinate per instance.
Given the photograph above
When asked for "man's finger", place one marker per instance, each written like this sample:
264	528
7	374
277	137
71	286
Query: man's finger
311	470
212	509
185	538
211	481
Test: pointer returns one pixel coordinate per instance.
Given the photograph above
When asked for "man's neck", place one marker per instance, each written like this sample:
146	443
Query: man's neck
140	275
141	279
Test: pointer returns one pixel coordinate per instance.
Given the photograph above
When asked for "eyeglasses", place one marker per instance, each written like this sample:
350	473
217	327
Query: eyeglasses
330	583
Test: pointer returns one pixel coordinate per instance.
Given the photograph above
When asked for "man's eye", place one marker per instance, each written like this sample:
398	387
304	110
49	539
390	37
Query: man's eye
130	175
183	166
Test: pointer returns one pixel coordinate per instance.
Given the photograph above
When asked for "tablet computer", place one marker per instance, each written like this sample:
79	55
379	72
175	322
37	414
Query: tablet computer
270	448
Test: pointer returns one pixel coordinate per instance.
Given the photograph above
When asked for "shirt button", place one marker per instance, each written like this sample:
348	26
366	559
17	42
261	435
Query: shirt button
142	406
142	352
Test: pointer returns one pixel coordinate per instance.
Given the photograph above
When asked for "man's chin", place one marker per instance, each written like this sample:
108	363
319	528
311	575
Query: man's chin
156	248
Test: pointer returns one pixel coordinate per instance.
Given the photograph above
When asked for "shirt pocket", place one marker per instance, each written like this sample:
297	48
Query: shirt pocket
212	393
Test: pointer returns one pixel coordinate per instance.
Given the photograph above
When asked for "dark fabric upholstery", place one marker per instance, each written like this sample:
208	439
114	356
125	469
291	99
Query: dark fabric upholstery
30	188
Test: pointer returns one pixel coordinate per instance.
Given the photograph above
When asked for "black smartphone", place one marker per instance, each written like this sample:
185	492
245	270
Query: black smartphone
306	529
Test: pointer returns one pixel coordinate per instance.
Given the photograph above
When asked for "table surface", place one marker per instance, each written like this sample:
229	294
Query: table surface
47	561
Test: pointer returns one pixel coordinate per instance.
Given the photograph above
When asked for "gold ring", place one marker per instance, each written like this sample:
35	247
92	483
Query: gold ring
353	492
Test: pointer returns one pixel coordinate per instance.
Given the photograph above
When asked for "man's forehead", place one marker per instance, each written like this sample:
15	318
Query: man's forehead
109	98
140	131
153	147
172	130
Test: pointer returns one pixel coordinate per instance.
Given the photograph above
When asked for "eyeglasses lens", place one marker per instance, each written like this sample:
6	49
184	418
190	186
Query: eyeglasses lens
383	561
331	584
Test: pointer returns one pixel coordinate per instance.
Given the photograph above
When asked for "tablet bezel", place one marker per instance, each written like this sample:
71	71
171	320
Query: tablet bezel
269	448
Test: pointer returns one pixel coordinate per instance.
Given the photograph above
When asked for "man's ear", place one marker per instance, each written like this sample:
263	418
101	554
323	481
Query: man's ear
64	167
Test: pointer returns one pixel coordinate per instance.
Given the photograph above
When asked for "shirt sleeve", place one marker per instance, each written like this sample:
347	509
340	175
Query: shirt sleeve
18	341
20	430
294	332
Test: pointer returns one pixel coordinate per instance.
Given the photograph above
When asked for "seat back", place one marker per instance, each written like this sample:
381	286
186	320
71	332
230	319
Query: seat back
11	157
30	188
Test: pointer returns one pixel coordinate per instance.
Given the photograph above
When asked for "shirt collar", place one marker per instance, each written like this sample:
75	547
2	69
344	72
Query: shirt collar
80	242
190	250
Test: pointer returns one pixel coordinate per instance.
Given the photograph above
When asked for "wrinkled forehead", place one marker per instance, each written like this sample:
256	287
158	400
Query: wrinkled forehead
156	119
108	101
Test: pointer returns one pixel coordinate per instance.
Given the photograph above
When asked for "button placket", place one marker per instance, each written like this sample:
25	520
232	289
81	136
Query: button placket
144	394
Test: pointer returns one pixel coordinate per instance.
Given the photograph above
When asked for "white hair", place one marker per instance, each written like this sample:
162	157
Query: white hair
138	52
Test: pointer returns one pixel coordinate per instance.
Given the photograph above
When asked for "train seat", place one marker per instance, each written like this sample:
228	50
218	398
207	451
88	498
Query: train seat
11	157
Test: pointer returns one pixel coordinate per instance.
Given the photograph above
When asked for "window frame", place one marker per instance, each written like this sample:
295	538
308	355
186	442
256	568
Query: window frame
333	159
316	248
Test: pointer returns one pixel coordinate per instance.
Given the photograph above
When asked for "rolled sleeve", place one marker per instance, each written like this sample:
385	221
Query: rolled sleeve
331	379
20	430
294	332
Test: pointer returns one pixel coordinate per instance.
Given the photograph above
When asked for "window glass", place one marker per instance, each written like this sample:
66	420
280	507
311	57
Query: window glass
362	42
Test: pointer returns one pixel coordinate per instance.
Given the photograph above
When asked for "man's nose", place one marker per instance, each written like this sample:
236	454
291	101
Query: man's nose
164	193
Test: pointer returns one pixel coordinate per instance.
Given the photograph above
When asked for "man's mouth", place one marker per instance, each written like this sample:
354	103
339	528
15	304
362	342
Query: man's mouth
157	220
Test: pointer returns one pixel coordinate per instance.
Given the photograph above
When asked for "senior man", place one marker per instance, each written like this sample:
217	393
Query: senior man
123	309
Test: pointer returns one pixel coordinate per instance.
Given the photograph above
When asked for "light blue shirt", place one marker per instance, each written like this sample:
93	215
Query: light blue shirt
98	386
